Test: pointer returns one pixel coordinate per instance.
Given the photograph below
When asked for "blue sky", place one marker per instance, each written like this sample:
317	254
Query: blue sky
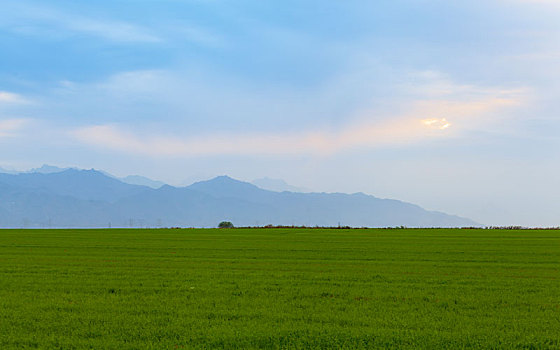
450	105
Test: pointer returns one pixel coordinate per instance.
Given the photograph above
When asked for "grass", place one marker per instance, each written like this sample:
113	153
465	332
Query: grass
279	288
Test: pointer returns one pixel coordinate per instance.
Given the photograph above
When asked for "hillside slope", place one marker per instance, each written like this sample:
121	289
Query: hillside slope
89	198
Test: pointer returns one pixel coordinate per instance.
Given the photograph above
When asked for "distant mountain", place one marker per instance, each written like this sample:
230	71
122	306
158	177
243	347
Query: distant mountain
47	169
44	169
325	209
277	185
141	180
89	198
80	184
8	171
50	169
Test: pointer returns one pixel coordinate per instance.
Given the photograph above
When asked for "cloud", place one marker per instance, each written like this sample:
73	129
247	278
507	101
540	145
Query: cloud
195	34
427	121
199	101
437	123
317	143
112	30
11	98
436	85
541	2
41	20
38	20
10	127
429	106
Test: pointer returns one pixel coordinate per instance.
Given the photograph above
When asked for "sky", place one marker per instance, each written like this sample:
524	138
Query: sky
451	105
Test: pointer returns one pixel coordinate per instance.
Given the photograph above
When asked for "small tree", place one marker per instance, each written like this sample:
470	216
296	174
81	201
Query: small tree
225	224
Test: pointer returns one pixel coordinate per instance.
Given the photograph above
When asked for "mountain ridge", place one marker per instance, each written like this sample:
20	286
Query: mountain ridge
90	198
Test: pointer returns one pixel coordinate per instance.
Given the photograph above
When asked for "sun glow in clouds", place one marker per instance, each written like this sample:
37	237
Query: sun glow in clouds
435	123
397	130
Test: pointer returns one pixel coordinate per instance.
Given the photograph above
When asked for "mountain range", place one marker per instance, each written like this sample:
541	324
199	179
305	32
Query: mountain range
277	185
89	198
50	169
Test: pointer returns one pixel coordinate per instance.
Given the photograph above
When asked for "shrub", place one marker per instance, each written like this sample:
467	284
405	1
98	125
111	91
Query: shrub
225	224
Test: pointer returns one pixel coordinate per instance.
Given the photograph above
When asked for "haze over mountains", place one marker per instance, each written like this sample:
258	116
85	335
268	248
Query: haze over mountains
277	185
55	197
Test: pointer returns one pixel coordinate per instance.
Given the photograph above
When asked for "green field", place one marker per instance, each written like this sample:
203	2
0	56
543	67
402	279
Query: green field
279	288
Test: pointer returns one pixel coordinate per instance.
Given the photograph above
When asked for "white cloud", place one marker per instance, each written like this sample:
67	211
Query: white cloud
441	123
196	35
41	20
436	85
543	2
10	127
427	120
429	106
112	30
11	98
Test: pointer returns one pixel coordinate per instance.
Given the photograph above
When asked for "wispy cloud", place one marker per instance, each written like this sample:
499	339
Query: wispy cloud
431	84
10	127
42	20
429	106
194	34
428	120
117	31
11	98
555	3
